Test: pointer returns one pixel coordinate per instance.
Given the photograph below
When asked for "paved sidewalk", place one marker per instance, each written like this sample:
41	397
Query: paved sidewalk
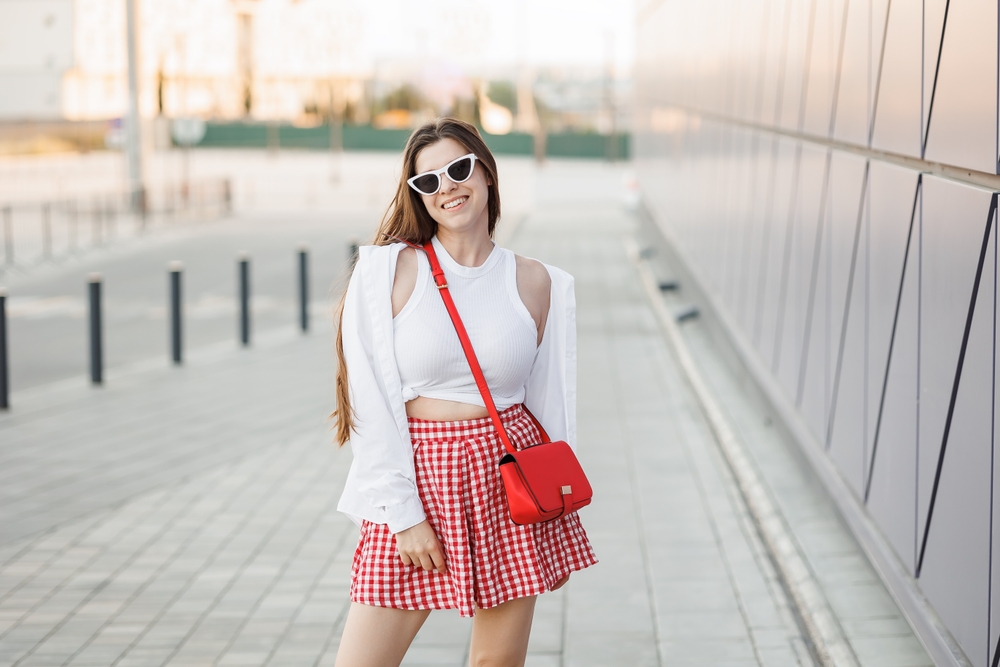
186	517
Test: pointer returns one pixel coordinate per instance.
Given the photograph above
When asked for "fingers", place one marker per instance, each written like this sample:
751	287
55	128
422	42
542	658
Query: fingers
426	562
437	560
561	583
419	546
432	558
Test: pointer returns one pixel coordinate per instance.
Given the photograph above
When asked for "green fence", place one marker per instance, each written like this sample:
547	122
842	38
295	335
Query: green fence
364	137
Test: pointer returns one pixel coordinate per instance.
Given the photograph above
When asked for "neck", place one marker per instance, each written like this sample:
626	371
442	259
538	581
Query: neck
470	247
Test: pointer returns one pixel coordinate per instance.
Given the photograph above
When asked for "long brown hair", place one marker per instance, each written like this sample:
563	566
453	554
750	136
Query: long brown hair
407	218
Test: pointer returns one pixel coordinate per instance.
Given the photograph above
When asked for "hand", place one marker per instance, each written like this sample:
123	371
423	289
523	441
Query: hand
419	546
561	583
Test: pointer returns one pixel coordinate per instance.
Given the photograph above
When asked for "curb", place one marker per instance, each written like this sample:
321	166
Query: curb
822	627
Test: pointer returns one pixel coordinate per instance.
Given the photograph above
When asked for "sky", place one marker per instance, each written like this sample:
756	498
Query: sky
488	33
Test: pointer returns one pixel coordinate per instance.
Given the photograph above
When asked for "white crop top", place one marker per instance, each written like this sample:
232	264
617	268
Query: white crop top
503	334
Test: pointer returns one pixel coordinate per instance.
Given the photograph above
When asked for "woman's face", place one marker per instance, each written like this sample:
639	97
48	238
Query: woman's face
457	207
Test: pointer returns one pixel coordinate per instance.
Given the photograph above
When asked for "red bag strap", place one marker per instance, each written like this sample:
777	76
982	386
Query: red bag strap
477	372
484	389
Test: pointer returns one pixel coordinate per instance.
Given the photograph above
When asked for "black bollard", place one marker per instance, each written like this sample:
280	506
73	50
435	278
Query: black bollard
304	288
352	253
176	353
4	375
244	278
96	345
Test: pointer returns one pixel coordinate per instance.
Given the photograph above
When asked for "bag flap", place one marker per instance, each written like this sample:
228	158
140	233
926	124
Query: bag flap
548	467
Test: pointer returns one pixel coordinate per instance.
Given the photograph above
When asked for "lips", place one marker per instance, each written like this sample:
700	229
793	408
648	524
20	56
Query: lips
452	204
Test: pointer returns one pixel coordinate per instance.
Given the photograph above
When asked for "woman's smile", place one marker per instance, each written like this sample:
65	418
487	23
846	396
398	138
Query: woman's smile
454	203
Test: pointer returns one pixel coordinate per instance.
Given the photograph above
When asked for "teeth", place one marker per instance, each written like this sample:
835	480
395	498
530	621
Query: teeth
453	204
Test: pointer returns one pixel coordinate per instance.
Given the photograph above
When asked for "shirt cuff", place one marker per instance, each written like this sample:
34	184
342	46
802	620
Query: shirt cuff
405	515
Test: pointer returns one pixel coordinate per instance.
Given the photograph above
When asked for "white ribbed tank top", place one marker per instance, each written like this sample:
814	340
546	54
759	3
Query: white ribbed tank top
503	334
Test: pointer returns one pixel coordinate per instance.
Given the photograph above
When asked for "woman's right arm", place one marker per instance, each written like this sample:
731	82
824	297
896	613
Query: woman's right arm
383	455
383	461
418	545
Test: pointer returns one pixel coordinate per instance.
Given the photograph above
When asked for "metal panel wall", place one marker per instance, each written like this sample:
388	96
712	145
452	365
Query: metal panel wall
854	244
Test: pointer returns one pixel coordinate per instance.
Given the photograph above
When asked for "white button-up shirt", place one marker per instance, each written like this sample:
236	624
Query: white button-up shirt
381	485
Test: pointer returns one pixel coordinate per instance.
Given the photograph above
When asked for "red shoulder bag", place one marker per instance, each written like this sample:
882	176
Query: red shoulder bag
543	482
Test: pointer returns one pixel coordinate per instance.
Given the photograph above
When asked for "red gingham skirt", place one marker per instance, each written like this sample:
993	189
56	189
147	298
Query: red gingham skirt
489	558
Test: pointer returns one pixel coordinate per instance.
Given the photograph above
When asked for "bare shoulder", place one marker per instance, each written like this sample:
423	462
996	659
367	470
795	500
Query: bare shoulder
406	262
405	279
533	286
532	277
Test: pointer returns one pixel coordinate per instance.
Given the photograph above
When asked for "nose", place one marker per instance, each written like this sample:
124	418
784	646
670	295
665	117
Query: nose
447	185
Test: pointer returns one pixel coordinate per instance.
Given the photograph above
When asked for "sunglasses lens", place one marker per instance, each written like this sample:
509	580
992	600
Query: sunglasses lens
461	170
427	184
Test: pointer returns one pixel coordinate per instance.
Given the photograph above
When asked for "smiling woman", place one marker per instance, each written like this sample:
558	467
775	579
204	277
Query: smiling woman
424	486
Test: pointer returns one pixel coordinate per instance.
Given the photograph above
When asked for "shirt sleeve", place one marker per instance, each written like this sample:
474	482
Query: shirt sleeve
383	458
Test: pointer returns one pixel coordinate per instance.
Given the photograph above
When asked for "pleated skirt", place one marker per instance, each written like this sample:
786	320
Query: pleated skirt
490	559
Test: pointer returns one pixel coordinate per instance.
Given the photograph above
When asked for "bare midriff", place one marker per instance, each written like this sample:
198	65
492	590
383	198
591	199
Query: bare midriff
438	410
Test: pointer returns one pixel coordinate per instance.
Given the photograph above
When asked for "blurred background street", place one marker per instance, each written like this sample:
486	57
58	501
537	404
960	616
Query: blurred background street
786	283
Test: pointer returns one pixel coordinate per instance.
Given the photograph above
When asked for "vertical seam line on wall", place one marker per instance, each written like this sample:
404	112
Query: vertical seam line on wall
762	62
878	77
840	65
745	256
779	94
869	91
779	327
741	299
813	280
727	152
769	203
810	308
916	421
730	241
892	338
807	66
786	260
867	327
765	241
993	424
996	654
937	70
955	384
847	306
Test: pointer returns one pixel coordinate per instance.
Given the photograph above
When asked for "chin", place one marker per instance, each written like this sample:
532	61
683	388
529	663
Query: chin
463	221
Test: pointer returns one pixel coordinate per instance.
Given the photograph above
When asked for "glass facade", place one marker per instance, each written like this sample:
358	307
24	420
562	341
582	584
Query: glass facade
828	169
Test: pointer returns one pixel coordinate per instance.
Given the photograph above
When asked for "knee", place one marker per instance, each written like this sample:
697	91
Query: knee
494	659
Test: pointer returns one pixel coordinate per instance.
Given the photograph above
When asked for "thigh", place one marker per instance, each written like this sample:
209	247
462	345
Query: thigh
377	636
500	634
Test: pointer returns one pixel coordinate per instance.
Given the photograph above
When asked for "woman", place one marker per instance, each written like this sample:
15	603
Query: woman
424	485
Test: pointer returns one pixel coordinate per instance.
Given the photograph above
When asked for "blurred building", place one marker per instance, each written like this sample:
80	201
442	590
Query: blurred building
36	49
827	171
216	58
307	61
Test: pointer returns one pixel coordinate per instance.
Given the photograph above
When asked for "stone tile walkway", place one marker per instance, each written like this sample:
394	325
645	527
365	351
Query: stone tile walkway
873	625
186	517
